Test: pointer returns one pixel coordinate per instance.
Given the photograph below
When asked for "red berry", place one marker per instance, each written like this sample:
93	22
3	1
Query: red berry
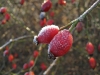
52	14
79	26
7	16
99	47
10	58
92	62
35	53
25	66
73	1
46	5
31	63
31	73
43	22
62	2
90	48
50	22
60	44
27	73
43	66
14	66
7	48
6	52
3	21
3	10
22	2
15	55
46	34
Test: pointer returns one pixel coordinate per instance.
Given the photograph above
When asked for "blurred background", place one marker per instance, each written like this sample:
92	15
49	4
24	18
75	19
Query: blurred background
24	20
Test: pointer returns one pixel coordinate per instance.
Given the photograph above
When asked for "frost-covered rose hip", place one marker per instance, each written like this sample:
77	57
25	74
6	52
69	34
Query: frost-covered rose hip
3	10
60	44
46	34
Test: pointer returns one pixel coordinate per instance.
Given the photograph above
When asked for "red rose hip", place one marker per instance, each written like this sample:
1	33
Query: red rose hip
25	66
31	63
46	6
62	2
43	66
90	48
79	26
3	10
92	62
22	2
99	47
60	44
35	53
46	34
7	16
50	22
14	66
10	58
6	52
27	73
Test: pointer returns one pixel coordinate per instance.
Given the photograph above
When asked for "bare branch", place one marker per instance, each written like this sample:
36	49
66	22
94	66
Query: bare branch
13	40
50	67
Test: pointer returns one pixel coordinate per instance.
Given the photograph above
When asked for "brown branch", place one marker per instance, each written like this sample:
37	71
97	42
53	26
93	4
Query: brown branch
81	17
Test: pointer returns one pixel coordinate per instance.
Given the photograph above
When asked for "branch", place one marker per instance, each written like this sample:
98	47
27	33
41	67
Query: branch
50	67
81	17
73	24
13	40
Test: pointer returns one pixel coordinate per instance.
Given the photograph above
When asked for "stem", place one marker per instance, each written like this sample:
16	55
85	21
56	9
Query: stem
88	10
50	67
13	40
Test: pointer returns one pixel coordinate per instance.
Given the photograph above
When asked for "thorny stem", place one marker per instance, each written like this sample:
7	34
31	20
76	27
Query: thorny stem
73	24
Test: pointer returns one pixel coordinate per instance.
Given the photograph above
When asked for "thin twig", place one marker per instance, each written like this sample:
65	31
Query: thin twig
50	67
40	48
81	17
13	40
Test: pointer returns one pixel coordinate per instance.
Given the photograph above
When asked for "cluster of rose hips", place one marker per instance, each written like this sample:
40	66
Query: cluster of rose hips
26	66
3	11
10	57
89	47
90	51
59	42
31	64
45	7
